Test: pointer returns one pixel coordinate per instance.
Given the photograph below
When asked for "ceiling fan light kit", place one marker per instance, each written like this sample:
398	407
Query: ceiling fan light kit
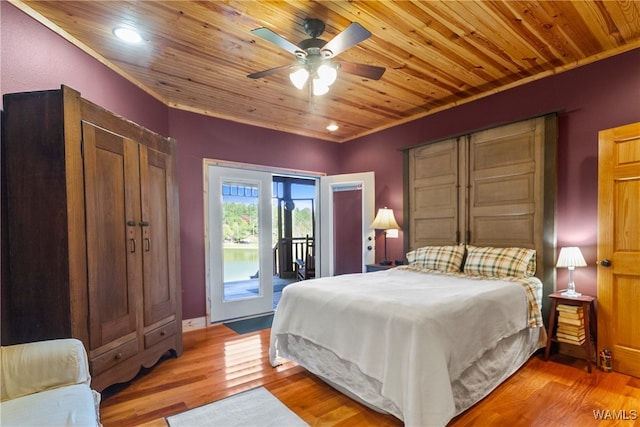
315	56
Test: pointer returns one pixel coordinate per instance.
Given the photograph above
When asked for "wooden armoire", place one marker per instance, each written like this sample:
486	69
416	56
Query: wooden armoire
93	233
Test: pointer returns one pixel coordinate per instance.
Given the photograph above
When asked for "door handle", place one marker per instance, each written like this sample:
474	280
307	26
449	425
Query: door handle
133	245
605	263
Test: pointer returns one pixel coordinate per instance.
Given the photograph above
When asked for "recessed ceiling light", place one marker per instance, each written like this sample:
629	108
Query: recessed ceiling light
127	34
332	127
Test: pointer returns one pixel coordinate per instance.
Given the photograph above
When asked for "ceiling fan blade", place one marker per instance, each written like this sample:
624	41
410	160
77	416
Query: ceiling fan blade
268	72
351	36
278	40
363	70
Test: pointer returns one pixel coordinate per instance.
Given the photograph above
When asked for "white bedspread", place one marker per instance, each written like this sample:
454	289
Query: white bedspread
414	332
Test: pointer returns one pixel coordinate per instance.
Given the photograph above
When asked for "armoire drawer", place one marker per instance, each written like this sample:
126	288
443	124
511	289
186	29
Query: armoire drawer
113	357
158	334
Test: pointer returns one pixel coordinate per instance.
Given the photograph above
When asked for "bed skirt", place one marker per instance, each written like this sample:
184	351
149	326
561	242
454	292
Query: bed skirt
476	382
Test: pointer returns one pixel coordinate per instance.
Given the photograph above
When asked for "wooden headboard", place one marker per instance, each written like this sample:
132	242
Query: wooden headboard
493	187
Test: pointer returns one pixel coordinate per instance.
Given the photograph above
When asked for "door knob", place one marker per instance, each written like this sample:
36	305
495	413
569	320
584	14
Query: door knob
605	263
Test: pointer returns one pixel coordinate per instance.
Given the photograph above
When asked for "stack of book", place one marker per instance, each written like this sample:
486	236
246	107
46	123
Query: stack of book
570	324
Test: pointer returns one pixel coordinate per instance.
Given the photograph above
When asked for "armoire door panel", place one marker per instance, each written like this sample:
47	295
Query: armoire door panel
113	245
156	175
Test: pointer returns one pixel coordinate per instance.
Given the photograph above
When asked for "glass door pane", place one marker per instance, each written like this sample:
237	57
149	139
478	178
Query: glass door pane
241	231
240	254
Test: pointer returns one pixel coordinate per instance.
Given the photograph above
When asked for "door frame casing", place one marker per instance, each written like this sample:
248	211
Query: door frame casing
365	181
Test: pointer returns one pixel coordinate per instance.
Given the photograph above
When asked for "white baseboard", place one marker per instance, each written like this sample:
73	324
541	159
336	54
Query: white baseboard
193	324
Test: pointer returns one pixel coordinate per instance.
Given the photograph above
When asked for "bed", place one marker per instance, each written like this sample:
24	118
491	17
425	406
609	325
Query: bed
423	342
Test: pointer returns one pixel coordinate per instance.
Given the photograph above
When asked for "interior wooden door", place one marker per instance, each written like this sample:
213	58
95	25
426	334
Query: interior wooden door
158	242
114	250
619	246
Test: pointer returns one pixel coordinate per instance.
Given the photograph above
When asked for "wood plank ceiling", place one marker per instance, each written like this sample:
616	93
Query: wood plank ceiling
195	56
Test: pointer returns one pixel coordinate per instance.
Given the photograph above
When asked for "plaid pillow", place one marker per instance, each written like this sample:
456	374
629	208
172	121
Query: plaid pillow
440	258
500	262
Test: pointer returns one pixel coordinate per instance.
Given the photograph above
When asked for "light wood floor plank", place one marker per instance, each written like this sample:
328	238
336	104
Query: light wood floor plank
218	363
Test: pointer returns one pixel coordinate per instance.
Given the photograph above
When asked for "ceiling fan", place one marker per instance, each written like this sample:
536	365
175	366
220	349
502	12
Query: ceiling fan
316	57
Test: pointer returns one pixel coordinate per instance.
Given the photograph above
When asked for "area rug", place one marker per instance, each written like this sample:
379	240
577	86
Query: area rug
251	325
253	408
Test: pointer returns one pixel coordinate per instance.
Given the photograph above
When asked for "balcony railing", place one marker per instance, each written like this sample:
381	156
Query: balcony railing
285	253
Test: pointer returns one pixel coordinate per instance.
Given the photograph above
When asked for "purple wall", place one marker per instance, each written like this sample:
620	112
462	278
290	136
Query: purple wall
598	96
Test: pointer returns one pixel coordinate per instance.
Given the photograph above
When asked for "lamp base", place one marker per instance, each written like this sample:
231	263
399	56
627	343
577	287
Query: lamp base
571	293
385	262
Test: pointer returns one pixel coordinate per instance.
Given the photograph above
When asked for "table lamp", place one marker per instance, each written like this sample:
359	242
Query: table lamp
385	220
571	257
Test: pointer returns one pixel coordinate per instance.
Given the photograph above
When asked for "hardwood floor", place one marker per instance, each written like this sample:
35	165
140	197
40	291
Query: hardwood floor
218	363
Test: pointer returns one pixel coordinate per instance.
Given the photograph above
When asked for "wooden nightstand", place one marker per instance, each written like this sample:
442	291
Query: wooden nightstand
587	325
379	267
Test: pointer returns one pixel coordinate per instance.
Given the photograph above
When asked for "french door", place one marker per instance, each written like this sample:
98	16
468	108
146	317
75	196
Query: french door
239	242
239	229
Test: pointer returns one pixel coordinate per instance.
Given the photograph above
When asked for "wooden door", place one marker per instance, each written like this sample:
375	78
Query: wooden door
114	250
159	244
506	185
619	246
436	172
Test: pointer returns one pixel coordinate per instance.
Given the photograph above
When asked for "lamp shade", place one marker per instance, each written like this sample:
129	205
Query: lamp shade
385	220
319	88
571	257
299	77
327	74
